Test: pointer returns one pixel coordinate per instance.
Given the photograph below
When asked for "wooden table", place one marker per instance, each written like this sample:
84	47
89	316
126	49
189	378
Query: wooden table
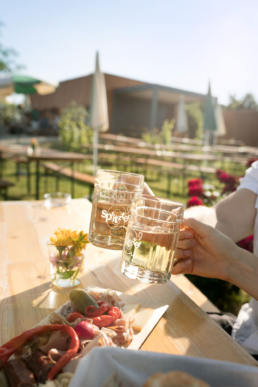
43	154
196	157
27	297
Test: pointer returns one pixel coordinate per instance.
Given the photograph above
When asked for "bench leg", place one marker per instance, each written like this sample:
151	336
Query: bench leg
17	171
72	180
28	177
169	185
183	183
37	180
57	183
91	188
5	194
2	168
46	180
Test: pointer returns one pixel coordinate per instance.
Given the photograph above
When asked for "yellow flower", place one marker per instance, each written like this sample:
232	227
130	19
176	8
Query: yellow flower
67	238
79	242
63	238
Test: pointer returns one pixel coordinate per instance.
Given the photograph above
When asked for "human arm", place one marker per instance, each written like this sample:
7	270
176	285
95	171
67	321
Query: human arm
234	216
216	256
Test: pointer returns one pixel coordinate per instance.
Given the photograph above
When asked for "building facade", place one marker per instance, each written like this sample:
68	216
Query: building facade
134	107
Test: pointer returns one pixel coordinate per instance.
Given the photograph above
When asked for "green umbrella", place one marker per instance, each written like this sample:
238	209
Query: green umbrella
209	119
23	84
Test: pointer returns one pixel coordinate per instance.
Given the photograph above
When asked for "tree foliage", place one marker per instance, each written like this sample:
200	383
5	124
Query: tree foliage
247	102
160	137
8	58
73	128
195	120
10	114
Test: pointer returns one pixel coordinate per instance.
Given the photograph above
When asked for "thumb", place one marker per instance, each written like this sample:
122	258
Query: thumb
197	227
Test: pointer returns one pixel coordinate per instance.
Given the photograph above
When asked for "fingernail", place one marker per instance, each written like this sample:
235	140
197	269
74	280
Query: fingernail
187	253
189	235
194	243
187	262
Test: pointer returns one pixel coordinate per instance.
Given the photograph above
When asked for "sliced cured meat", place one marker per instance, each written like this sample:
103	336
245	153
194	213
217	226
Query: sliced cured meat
40	365
57	340
18	374
124	337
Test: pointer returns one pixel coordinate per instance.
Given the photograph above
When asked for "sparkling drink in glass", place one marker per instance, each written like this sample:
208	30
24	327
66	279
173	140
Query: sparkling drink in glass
113	194
151	239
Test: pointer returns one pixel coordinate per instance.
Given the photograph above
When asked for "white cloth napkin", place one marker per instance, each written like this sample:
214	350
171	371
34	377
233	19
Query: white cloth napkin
134	367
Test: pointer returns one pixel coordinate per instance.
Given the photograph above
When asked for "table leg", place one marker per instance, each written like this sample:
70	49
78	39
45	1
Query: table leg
28	177
37	180
72	180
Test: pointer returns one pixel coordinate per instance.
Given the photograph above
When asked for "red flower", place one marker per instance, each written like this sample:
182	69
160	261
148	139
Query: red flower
247	243
192	182
195	190
218	173
194	201
223	177
250	162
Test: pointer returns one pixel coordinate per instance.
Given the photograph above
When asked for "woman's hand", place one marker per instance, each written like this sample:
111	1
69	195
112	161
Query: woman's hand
204	251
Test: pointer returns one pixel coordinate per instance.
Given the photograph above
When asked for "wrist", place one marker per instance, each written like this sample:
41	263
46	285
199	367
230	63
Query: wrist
243	269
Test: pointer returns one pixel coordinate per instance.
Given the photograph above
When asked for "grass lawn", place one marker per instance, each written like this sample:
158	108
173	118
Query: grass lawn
226	298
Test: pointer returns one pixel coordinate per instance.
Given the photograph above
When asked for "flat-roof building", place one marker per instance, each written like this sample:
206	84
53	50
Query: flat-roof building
133	106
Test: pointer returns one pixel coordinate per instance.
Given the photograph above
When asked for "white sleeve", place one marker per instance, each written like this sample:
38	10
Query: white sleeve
250	180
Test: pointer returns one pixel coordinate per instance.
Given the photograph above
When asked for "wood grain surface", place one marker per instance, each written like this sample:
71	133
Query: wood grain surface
27	295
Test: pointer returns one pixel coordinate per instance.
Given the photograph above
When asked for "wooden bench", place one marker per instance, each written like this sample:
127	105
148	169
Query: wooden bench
69	173
4	185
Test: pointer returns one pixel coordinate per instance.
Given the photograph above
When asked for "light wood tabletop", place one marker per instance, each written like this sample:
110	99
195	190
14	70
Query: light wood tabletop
27	296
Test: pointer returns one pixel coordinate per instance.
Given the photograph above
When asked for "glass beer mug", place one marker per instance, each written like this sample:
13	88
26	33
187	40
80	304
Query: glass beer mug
113	195
151	239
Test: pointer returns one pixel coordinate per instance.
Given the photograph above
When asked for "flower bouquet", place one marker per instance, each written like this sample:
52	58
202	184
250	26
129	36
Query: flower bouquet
66	257
34	144
33	148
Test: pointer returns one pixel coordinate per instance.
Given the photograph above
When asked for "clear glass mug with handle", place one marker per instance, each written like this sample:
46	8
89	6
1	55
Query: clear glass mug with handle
113	195
151	239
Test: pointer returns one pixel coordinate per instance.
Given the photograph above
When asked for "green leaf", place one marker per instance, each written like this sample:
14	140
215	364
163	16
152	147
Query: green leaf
67	274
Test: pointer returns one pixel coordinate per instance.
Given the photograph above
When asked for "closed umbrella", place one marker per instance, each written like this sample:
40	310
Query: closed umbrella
209	119
221	127
181	122
98	109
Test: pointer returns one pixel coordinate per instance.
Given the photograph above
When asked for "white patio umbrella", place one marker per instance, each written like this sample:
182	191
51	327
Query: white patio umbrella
221	127
182	121
98	110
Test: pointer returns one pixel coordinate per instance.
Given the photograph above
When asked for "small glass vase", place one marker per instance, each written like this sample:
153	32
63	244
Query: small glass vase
64	270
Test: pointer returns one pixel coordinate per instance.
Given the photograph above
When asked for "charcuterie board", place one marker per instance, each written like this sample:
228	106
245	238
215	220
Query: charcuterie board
139	337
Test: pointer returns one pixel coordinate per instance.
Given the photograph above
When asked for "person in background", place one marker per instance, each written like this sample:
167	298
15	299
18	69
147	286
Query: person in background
207	248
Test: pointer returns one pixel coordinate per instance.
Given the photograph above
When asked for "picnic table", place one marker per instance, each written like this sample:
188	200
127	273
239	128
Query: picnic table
26	294
157	153
183	145
40	155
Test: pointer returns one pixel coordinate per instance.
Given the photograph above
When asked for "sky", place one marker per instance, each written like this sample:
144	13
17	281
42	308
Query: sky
178	43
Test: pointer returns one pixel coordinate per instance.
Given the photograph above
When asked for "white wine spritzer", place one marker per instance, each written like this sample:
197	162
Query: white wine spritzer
112	199
150	244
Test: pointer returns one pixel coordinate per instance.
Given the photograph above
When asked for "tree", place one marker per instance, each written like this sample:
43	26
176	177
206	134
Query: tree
73	128
247	102
195	120
8	58
162	136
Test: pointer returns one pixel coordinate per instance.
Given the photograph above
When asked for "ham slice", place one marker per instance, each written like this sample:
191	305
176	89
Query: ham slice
106	295
57	340
57	318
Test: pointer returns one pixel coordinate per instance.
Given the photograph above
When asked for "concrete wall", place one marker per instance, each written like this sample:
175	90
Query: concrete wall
242	125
